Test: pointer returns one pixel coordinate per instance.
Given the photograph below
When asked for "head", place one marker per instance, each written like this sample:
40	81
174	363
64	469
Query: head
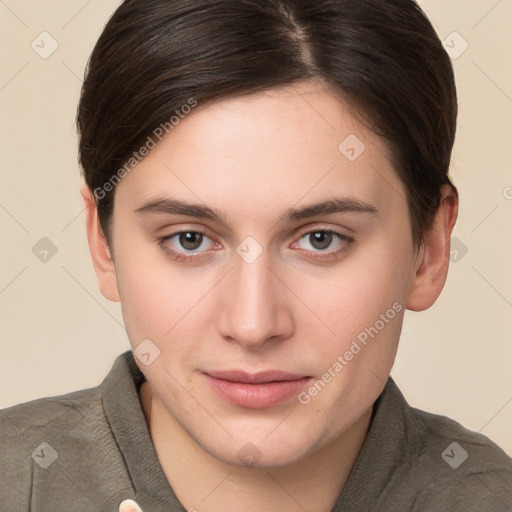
262	194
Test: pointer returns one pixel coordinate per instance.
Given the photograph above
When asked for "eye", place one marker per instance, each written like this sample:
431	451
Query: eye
192	244
182	242
321	240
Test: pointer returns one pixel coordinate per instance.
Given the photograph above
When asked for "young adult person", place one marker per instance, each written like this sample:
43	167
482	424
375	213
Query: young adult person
267	193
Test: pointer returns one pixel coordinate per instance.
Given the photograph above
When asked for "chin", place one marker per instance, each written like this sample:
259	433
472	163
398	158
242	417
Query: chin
261	450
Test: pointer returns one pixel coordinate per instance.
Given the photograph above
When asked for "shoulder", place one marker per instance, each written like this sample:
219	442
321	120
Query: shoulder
36	434
46	414
62	452
423	461
462	447
63	412
464	470
26	427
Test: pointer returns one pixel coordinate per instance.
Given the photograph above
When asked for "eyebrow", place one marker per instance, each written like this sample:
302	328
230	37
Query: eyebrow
330	206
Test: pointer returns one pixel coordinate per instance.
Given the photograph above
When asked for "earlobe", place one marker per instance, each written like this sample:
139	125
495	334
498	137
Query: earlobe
100	252
434	256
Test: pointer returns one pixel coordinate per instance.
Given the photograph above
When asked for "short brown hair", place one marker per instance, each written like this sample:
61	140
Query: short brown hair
383	56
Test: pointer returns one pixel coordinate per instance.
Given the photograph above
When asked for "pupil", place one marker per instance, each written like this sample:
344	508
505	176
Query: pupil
187	240
323	238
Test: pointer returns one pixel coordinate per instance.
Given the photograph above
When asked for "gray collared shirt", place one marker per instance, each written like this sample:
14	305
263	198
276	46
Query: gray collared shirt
88	450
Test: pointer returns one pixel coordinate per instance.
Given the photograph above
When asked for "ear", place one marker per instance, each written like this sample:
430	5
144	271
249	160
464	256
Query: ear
100	252
434	256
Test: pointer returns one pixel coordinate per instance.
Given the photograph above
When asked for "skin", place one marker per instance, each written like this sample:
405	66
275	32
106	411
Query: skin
251	159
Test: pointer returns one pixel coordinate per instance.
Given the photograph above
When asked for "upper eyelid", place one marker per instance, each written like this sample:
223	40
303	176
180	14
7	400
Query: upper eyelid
308	231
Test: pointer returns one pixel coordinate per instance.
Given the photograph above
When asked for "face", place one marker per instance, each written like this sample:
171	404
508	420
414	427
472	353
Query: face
272	324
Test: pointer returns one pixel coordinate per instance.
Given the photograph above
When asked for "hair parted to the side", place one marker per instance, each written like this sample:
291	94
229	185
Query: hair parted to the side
382	56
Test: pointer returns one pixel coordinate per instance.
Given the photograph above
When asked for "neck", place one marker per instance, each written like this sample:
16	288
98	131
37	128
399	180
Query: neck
202	482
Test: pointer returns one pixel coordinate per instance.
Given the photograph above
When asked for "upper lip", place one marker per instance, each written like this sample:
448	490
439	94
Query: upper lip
254	378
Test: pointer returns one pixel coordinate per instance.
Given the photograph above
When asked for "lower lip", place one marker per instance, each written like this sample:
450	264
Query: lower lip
257	396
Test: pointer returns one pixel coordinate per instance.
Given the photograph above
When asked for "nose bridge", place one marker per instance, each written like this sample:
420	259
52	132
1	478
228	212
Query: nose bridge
255	310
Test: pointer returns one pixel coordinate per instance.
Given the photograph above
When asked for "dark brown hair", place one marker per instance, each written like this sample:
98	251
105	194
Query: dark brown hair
382	56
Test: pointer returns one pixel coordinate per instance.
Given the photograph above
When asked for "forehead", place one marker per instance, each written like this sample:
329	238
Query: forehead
273	148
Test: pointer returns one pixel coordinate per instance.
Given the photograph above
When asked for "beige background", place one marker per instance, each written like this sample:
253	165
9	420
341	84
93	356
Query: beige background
58	333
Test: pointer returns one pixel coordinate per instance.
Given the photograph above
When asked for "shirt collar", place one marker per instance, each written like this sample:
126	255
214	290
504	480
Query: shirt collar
124	413
390	441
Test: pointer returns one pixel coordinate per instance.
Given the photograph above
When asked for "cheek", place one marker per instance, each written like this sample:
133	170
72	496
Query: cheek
150	300
354	296
162	302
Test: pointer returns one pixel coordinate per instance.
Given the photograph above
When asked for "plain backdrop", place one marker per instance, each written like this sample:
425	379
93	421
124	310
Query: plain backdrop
59	334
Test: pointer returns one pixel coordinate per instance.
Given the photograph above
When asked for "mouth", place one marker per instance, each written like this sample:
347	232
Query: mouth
256	391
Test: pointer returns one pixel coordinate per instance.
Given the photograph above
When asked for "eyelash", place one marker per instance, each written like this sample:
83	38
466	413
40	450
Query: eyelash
178	256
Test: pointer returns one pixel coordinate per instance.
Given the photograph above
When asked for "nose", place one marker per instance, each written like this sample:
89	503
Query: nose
255	306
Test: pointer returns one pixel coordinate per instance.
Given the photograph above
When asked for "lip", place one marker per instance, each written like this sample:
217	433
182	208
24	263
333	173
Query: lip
256	391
